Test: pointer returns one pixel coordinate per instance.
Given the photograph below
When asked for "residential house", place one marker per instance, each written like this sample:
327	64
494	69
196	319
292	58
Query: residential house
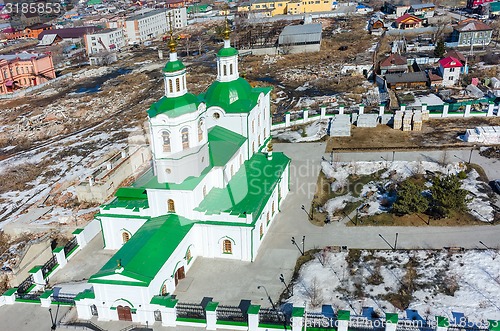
396	8
394	63
475	3
28	19
449	69
457	55
29	32
376	26
24	69
408	21
422	10
471	31
407	80
73	35
104	40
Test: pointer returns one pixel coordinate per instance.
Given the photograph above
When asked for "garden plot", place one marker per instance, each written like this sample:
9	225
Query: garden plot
377	195
433	282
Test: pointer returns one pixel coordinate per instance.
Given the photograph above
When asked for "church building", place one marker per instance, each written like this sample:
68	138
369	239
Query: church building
214	188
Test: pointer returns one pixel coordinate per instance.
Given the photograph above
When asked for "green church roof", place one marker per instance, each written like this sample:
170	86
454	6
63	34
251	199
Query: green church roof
147	251
234	97
174	107
226	52
173	66
248	189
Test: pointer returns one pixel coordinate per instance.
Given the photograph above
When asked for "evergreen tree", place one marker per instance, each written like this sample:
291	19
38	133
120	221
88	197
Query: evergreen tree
448	196
410	199
439	50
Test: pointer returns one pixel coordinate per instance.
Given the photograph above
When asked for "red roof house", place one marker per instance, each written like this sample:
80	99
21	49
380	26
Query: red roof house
450	62
408	21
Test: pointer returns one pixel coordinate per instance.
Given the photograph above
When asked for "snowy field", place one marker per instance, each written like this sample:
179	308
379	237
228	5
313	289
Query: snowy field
373	194
310	132
437	282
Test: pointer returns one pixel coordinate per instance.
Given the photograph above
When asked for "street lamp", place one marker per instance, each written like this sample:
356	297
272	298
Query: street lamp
489	248
470	155
53	326
310	216
282	279
395	241
295	243
268	296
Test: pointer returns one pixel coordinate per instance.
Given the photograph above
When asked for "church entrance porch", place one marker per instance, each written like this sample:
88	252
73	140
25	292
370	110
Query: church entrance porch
124	313
179	274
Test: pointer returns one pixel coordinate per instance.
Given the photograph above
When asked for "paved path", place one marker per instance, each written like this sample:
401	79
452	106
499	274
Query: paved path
229	281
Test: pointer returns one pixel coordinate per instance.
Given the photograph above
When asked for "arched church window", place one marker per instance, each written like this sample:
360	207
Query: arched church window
188	255
185	138
231	69
200	130
183	82
253	146
258	120
225	70
166	141
232	170
171	206
177	85
227	247
241	160
204	191
258	138
272	208
261	230
125	237
253	126
268	218
170	86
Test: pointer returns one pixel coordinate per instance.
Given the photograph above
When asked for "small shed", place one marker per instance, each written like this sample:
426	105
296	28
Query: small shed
300	38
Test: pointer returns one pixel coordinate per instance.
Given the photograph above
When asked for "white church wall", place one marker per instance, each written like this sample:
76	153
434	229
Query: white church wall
213	237
108	297
114	228
233	122
177	260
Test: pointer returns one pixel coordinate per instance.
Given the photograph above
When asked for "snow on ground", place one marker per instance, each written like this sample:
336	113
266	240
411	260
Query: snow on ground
88	73
313	132
480	205
471	276
430	99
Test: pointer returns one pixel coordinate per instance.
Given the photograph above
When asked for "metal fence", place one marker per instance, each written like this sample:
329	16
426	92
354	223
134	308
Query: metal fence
49	265
64	298
28	296
231	313
25	285
271	316
190	310
70	245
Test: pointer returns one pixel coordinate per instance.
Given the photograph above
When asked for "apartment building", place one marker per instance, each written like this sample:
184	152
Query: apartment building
104	40
151	24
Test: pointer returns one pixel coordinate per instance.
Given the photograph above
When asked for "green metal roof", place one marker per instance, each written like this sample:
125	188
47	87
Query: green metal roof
174	107
391	318
344	315
223	144
85	294
173	66
202	8
249	189
226	52
147	251
166	301
234	97
495	7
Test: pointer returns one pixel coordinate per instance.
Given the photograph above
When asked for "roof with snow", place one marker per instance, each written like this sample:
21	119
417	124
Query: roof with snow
472	25
422	6
450	62
21	56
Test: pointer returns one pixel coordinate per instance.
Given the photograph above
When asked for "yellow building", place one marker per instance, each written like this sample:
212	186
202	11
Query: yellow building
283	7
